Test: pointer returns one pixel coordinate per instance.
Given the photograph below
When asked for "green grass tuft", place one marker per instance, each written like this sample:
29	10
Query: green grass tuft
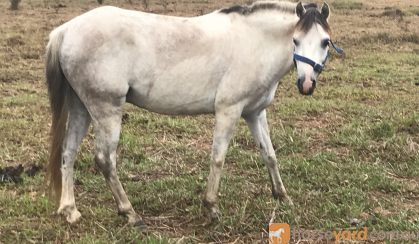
382	130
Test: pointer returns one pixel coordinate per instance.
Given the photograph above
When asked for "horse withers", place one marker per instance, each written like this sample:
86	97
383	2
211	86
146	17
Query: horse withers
228	63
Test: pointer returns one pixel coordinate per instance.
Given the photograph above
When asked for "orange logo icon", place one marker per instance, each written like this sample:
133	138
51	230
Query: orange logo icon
279	233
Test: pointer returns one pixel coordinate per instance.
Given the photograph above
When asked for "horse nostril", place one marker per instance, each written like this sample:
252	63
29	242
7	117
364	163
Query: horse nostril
314	82
299	80
300	83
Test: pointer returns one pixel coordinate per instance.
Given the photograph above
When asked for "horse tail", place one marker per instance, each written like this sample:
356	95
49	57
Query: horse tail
58	92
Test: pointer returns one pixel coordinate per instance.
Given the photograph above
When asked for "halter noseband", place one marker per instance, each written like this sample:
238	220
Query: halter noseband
316	66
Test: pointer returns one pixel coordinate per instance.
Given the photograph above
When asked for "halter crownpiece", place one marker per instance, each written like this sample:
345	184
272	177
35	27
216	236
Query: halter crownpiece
316	66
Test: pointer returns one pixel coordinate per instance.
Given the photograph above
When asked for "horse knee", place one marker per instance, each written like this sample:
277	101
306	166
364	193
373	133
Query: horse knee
103	163
217	158
218	163
271	161
68	157
100	160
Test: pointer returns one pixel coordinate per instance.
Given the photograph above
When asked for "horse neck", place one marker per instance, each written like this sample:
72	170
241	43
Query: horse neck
276	30
276	24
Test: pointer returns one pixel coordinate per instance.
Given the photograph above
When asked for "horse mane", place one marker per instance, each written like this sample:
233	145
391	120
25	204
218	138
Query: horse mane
258	6
305	23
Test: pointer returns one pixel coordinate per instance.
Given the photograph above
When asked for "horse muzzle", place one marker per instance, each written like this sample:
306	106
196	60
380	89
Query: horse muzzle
306	86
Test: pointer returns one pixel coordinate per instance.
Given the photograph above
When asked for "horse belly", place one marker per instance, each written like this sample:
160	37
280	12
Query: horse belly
175	94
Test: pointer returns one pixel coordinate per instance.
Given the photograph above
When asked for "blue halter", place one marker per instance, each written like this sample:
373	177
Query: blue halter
316	66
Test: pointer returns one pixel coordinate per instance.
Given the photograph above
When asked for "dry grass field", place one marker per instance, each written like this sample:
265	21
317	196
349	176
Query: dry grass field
349	152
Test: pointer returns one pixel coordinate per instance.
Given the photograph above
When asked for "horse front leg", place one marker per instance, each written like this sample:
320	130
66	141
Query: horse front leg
225	123
258	126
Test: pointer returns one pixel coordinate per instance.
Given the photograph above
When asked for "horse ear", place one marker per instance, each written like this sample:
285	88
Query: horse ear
325	10
300	10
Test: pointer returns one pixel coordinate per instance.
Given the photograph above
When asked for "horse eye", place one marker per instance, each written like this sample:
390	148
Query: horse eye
325	43
296	42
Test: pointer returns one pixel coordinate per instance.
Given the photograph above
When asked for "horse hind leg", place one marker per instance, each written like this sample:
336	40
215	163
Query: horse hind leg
107	127
78	123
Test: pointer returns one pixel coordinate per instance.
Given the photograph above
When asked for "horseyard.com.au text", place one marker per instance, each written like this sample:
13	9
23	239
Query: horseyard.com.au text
283	234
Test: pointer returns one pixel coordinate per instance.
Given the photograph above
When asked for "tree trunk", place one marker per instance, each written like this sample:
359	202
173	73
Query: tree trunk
14	4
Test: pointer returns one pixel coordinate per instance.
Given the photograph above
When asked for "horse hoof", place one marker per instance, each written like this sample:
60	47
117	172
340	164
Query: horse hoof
282	198
135	220
213	211
288	201
73	217
140	224
214	214
71	214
